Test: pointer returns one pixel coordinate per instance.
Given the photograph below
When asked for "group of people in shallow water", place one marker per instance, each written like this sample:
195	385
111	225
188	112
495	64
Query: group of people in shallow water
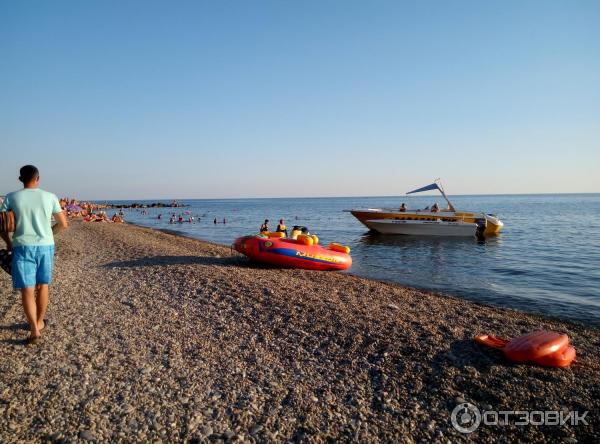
179	219
186	217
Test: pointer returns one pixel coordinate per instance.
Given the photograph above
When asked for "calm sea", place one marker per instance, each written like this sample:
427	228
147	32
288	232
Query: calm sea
547	259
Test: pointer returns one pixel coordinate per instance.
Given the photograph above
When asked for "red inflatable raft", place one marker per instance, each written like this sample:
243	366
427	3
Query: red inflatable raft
546	348
292	253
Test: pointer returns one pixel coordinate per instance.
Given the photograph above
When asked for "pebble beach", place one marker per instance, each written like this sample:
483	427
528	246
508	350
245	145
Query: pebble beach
154	337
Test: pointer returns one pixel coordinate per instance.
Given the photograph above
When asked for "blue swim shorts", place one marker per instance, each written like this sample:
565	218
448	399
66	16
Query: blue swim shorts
32	265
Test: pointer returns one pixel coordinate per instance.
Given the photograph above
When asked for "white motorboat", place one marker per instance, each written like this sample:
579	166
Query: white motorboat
429	221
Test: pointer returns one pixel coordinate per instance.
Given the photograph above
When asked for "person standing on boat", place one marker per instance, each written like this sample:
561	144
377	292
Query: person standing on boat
435	208
281	228
403	207
265	226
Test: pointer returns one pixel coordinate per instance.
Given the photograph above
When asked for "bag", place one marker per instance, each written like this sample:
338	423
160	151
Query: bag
7	221
6	260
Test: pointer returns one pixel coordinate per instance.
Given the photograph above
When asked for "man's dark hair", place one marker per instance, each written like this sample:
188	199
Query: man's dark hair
28	173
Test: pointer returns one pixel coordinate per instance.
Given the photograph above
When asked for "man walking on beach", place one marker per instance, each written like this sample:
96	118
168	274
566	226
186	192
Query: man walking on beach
33	244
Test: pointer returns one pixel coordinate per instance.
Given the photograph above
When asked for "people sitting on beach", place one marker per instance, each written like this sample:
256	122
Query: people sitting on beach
99	217
281	228
403	207
265	226
435	208
117	218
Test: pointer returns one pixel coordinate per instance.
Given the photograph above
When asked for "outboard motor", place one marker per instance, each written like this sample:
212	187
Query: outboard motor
481	225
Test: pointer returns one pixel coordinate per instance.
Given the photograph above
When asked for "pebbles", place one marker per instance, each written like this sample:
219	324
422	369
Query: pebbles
158	338
87	435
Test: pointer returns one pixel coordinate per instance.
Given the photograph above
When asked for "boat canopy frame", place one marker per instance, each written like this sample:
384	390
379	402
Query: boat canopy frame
436	185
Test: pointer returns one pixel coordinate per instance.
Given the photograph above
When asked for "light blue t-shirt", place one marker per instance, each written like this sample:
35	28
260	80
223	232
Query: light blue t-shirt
33	210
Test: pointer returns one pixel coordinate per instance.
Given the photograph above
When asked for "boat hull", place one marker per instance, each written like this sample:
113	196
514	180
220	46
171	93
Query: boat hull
422	228
291	253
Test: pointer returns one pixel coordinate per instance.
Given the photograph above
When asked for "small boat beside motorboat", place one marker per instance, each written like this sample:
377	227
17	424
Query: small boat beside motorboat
429	221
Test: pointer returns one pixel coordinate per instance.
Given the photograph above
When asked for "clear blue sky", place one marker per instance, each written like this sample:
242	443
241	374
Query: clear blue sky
182	99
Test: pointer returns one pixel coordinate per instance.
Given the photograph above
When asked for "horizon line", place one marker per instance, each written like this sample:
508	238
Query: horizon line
330	197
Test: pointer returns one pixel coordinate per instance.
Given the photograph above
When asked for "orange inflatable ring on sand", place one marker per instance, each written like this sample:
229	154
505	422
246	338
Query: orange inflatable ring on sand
546	348
562	358
292	253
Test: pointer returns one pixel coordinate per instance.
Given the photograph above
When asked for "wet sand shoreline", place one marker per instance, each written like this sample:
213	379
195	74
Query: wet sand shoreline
156	336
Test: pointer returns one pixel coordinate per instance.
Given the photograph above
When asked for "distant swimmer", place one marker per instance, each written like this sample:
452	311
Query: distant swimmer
403	207
435	208
215	221
159	216
191	219
281	228
265	226
172	220
180	219
224	220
